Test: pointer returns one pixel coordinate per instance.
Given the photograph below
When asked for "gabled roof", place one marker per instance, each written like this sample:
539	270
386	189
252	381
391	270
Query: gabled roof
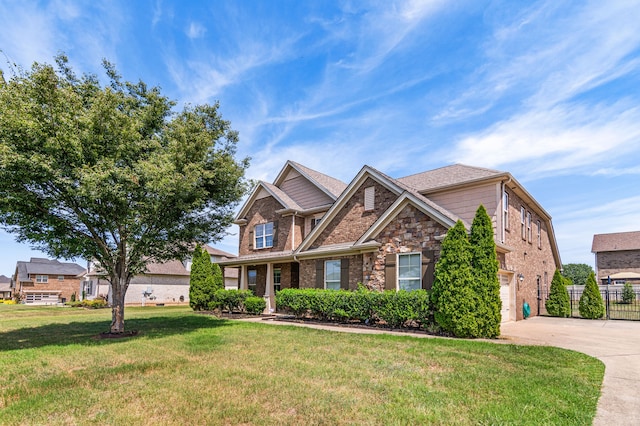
217	252
285	201
172	267
616	241
329	185
40	266
401	190
4	279
448	176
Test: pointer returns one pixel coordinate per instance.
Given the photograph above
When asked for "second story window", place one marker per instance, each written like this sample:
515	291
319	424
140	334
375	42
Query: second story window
539	234
505	214
523	229
264	235
42	278
529	226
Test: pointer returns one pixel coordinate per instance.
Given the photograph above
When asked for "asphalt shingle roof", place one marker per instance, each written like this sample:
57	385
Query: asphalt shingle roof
446	176
616	241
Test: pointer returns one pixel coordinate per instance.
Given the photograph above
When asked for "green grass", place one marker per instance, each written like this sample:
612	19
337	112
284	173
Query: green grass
186	368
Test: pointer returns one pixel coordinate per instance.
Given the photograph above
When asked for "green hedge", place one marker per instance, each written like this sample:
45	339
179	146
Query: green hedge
91	304
229	300
396	309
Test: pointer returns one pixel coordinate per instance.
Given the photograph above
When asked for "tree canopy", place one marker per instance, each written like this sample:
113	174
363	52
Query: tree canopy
111	173
577	272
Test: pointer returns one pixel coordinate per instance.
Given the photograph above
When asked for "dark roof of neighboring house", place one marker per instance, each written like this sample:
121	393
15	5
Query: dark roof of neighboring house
217	252
42	266
616	241
4	279
447	176
331	184
5	283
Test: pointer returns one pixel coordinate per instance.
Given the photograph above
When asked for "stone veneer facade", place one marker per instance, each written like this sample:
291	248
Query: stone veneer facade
410	231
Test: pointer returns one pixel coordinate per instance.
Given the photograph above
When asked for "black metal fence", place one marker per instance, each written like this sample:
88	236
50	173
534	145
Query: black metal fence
615	306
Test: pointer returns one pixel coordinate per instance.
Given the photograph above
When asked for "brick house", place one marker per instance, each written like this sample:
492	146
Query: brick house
617	257
309	230
45	281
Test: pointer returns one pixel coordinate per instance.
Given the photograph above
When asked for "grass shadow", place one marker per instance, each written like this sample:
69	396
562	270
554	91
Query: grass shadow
86	332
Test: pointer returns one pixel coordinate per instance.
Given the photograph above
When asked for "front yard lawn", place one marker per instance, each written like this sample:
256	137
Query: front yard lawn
187	368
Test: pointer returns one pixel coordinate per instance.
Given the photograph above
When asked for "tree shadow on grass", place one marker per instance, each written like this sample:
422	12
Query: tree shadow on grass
87	333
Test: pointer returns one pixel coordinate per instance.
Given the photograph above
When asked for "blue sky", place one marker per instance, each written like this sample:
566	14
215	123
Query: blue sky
547	90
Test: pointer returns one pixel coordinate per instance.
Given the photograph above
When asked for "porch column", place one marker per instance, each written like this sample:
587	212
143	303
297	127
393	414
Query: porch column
243	277
268	291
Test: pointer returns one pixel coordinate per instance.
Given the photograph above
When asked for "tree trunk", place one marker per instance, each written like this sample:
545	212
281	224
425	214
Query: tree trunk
118	290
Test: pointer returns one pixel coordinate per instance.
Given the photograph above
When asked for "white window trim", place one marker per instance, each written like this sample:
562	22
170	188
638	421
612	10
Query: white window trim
326	274
505	214
529	227
279	283
42	279
523	230
418	278
263	237
252	286
539	224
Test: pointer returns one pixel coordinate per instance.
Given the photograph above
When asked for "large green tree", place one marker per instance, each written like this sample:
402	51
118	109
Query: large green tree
112	173
484	262
577	272
453	295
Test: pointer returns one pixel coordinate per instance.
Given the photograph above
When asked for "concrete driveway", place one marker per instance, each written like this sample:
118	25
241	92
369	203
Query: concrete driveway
615	343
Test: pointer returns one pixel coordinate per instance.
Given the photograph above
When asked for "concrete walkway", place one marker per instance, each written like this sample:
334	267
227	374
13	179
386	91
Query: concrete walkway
615	343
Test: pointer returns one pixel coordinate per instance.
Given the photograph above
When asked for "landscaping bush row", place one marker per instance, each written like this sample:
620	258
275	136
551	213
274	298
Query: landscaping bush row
396	309
237	301
91	304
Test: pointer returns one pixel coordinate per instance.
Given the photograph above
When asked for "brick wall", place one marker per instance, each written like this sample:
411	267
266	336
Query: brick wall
527	258
264	211
611	262
410	231
308	271
352	220
69	285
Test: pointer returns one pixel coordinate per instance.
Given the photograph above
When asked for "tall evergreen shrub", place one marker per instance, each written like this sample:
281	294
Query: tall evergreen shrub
558	304
216	273
591	304
484	262
453	296
201	284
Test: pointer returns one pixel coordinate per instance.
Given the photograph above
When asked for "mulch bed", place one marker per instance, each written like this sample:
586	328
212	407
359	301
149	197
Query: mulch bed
123	335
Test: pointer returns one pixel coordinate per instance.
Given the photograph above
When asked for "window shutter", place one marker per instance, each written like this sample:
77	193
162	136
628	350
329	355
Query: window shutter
428	268
390	272
344	274
369	198
275	233
251	240
319	273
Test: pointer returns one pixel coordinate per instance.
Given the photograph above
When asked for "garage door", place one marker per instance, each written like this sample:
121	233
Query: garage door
41	298
505	297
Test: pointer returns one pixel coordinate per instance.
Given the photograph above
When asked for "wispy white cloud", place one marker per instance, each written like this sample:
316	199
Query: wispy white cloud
195	30
549	67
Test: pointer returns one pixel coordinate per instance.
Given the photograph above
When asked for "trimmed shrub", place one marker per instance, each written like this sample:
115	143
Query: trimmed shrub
396	309
229	300
455	302
484	262
254	305
628	295
216	274
591	305
558	304
201	284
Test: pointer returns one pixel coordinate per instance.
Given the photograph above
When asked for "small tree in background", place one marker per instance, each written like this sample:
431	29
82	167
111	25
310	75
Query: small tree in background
558	304
218	278
453	296
577	273
202	285
628	295
484	262
591	304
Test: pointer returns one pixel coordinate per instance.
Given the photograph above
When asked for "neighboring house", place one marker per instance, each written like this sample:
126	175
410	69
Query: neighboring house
308	230
44	281
5	287
230	274
162	283
617	257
